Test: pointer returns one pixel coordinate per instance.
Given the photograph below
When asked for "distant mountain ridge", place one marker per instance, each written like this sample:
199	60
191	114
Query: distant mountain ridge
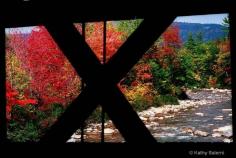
209	32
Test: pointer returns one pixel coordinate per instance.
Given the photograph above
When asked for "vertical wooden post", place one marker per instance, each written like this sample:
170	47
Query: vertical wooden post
3	127
104	62
82	87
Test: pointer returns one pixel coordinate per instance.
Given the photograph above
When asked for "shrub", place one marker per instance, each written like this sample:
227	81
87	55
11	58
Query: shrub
164	100
157	101
141	96
56	110
27	133
95	117
24	124
28	123
140	103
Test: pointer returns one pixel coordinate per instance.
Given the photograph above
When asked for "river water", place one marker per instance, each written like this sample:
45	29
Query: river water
198	123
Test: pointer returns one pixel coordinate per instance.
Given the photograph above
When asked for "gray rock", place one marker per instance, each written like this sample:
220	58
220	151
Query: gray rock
199	114
151	114
152	119
184	137
170	134
226	140
187	130
154	128
88	129
169	116
108	131
153	124
157	110
176	110
201	133
148	126
226	131
165	112
227	110
216	135
76	136
71	140
218	118
143	118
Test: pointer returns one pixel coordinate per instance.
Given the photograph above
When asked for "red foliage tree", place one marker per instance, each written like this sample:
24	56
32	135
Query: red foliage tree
171	37
113	40
171	42
143	72
166	45
94	38
53	79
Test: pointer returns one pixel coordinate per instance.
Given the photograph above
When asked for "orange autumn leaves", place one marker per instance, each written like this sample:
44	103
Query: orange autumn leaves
94	37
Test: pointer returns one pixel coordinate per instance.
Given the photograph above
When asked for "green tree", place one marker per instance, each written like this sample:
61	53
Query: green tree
199	38
161	77
226	24
128	26
186	74
190	43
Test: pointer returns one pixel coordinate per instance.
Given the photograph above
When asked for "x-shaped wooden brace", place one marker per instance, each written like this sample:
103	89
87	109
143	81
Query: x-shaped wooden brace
101	80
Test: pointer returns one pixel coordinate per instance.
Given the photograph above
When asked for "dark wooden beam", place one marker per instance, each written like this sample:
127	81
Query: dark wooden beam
37	13
3	120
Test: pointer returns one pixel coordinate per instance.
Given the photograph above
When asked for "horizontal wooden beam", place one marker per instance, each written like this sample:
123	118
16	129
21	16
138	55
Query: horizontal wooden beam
30	14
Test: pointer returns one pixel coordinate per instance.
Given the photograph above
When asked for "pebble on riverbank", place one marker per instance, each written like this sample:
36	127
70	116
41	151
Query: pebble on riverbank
201	133
225	131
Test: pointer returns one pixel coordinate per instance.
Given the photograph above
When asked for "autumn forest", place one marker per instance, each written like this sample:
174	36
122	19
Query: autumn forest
41	83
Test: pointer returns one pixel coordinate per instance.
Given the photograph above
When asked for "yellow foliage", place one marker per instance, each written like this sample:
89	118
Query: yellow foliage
145	90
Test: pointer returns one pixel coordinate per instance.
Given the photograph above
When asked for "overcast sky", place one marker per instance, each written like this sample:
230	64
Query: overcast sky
204	19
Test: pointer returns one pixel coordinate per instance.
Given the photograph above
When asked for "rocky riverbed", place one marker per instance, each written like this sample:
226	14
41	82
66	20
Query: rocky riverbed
206	117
